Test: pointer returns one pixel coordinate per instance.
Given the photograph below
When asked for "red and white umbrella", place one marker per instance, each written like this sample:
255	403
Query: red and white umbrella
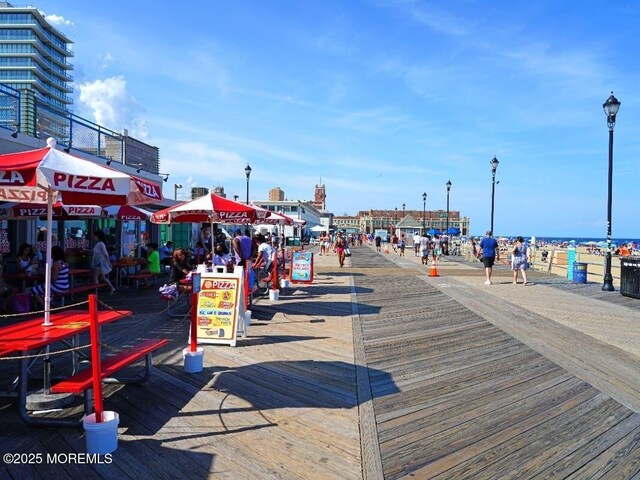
210	208
127	212
41	176
16	211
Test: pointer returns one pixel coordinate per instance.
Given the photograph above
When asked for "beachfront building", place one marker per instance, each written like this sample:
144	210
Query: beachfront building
34	60
276	194
35	81
299	210
372	220
348	223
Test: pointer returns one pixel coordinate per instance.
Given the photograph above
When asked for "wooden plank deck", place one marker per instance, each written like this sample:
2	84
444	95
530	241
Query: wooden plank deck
474	401
374	371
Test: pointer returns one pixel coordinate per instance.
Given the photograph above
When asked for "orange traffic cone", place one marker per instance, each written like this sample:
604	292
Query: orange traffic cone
434	270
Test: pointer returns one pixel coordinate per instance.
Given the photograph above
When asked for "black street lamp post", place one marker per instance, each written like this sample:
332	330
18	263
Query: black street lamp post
611	107
396	221
403	205
235	198
448	189
424	212
494	166
247	172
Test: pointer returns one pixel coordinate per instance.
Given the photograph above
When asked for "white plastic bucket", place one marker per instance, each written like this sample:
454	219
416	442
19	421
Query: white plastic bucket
193	361
247	318
284	283
274	295
101	437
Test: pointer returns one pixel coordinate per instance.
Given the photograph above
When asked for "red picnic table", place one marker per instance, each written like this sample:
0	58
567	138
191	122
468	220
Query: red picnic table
24	337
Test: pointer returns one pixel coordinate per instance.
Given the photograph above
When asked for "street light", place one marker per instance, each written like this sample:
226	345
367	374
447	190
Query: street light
396	222
247	172
494	166
448	189
176	187
235	198
611	107
403	210
424	211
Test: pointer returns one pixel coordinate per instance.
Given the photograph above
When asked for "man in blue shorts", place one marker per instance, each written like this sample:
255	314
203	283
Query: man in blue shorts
490	253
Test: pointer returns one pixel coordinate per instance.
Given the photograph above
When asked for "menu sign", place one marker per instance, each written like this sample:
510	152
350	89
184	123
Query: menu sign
217	309
301	267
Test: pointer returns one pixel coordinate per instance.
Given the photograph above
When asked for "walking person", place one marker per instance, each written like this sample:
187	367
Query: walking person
424	249
378	240
490	253
341	245
416	244
401	245
100	262
519	261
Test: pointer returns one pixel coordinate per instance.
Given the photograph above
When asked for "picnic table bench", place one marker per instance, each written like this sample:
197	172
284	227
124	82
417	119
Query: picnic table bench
79	289
83	380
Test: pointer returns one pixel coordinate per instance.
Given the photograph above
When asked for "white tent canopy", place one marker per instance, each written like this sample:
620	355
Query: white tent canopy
319	228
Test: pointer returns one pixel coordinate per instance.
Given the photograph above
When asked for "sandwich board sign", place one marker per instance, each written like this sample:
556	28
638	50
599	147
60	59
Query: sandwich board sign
301	270
219	308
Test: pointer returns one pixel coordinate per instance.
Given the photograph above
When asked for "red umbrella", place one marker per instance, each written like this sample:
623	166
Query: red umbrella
209	208
39	176
14	211
127	212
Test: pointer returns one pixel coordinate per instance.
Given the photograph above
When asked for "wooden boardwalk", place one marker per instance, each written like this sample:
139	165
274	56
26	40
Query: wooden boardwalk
374	371
473	401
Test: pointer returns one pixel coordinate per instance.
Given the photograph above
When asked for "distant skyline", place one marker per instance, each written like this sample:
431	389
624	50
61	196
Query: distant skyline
382	99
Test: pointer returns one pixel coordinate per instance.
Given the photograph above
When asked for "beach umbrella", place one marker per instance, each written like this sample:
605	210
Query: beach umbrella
127	212
453	231
46	175
434	231
210	208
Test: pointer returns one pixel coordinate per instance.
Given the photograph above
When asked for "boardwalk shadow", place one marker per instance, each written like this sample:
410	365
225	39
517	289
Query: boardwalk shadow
294	384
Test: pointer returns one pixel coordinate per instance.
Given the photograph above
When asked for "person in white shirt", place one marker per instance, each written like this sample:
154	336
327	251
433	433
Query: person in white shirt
416	244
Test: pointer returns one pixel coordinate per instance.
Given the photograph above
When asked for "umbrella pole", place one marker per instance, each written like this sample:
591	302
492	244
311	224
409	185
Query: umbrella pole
47	268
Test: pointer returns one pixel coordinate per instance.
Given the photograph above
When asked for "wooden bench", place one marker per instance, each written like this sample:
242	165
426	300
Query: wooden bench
83	380
79	289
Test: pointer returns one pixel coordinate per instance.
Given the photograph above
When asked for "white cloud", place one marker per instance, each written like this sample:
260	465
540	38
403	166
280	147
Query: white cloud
112	106
106	60
57	20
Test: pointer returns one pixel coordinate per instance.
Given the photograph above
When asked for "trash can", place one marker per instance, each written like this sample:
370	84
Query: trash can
630	276
579	272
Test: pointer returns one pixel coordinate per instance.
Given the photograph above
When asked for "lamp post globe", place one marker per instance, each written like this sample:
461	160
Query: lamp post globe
247	172
448	184
494	166
424	212
610	107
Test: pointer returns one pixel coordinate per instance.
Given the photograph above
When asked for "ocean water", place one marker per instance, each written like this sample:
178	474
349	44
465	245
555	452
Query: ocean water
583	240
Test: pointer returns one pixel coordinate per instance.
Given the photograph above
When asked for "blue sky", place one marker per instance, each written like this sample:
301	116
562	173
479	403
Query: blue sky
382	100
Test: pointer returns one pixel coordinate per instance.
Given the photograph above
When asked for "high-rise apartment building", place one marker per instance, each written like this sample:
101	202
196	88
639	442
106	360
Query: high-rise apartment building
34	56
197	192
276	195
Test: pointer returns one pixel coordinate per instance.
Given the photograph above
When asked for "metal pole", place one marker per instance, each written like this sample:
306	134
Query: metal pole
493	193
448	188
424	212
607	286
